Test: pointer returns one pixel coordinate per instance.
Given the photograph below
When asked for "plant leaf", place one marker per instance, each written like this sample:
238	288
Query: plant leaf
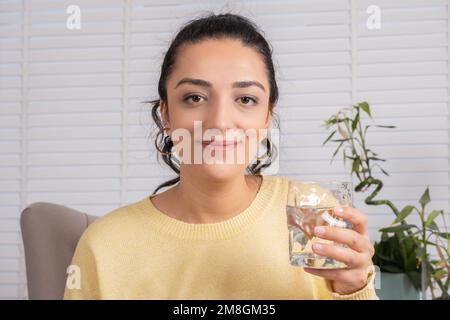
392	269
382	170
355	122
381	126
439	274
329	137
414	276
433	226
356	164
403	214
433	216
337	150
443	234
398	228
441	256
329	122
376	158
425	198
340	140
366	108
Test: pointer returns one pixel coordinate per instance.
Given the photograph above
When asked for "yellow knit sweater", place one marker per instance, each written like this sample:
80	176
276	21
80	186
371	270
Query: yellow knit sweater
138	252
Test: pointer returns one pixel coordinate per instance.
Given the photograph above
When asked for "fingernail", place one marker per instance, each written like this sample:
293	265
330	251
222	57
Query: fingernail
317	246
319	231
339	209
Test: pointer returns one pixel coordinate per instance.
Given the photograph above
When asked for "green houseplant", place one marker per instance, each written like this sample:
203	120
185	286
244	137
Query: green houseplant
404	248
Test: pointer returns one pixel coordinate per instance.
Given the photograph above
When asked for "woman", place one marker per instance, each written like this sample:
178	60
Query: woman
218	233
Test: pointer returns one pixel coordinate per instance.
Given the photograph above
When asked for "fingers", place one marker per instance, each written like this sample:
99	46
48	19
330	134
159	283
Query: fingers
357	256
348	256
355	217
349	237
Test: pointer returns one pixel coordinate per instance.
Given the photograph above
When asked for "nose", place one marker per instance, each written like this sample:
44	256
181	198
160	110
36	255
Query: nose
219	116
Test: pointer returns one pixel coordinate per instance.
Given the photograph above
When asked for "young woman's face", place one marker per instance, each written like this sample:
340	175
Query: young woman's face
231	100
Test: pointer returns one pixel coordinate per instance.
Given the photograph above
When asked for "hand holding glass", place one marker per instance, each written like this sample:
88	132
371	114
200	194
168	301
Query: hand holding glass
311	204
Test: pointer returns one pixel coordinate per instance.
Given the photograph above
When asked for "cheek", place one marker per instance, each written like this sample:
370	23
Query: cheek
258	126
182	119
251	148
253	140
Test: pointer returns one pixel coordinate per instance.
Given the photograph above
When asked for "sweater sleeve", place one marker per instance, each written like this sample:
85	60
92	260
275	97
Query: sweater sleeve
365	293
325	292
82	281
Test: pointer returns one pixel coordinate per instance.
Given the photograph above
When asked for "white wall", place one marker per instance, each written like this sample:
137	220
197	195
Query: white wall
73	130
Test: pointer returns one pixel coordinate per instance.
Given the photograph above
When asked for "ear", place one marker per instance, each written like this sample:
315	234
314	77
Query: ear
269	118
164	114
267	125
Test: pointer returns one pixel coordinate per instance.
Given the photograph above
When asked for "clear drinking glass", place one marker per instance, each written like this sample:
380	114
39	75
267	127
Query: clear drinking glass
310	204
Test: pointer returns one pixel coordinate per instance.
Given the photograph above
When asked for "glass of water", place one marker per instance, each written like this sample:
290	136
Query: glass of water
310	204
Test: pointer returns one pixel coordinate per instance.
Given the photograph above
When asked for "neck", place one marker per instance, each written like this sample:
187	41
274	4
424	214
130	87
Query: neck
208	201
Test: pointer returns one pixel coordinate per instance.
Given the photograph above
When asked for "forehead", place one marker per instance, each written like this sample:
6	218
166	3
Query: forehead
221	61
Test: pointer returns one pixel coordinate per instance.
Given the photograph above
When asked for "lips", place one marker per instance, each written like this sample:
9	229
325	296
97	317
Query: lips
221	143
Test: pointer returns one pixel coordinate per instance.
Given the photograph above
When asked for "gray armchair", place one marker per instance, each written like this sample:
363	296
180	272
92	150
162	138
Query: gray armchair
50	234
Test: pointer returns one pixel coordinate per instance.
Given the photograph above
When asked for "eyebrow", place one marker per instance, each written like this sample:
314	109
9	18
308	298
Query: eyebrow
207	84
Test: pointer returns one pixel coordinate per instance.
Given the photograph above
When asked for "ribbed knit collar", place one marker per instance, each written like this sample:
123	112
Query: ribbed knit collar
212	231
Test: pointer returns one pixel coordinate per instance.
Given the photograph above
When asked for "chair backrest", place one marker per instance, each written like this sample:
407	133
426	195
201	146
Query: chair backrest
50	234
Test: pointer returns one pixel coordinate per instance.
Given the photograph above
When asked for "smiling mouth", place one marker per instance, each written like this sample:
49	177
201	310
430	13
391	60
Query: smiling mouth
220	144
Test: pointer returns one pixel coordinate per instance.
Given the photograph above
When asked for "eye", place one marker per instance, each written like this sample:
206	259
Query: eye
245	99
195	97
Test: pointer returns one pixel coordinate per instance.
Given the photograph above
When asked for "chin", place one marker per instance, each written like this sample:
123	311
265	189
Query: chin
220	171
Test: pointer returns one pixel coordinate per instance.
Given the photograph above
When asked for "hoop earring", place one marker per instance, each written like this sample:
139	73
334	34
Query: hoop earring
167	141
268	153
